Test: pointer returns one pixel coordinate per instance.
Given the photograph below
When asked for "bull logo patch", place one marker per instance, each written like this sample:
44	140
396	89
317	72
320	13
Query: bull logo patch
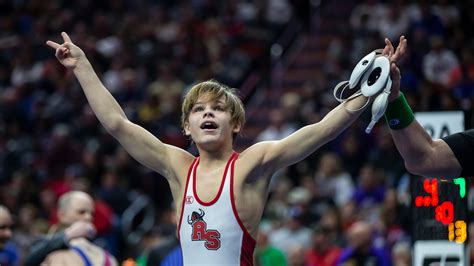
201	233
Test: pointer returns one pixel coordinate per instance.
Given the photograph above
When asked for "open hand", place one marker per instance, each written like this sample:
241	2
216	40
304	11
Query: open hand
394	56
67	53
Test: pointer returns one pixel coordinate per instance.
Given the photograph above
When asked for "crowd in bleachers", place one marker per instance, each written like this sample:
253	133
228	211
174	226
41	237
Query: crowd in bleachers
348	202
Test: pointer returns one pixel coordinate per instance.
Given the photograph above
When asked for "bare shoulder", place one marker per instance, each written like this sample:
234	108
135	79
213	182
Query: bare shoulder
252	163
254	153
179	155
180	160
61	257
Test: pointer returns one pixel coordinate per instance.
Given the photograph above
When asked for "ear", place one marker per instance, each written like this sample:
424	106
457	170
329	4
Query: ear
62	216
187	131
236	128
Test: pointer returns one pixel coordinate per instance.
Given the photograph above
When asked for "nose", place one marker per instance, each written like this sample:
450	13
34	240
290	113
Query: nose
208	112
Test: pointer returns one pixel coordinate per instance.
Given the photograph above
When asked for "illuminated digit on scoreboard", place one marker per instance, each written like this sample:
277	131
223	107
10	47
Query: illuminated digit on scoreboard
457	231
444	213
451	232
431	187
461	182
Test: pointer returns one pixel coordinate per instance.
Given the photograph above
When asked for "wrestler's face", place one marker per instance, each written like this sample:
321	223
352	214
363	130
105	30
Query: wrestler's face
209	123
5	227
81	208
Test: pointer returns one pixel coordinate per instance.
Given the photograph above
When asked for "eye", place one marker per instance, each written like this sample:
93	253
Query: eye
219	108
5	227
197	109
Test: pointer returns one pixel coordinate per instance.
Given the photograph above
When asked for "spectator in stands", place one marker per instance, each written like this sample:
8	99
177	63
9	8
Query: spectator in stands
8	251
267	254
427	22
461	79
395	219
361	249
75	212
323	251
401	254
165	247
81	250
278	128
333	180
439	63
384	156
293	233
394	22
370	190
28	228
352	153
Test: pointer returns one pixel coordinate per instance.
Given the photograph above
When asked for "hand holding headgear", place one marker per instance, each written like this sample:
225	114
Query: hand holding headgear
371	76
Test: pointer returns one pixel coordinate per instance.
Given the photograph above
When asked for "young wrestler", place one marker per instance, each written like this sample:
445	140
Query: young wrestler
220	195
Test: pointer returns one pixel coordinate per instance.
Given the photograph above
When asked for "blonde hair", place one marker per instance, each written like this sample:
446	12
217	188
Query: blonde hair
212	91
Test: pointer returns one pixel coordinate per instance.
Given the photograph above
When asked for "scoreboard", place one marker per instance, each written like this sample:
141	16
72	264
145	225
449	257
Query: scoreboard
439	211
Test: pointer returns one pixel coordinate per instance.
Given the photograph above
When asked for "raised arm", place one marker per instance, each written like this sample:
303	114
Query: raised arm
297	146
303	142
422	155
141	144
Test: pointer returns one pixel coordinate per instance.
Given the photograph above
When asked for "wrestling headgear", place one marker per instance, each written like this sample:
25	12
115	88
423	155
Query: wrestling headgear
371	76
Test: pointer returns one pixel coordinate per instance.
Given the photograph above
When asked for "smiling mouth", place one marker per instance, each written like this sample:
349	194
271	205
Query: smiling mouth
208	125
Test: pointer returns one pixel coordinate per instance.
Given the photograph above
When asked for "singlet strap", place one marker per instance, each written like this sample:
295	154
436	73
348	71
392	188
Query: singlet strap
185	191
83	255
223	181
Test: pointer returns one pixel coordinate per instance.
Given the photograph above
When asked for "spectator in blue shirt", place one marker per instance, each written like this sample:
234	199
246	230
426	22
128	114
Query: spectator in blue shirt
8	252
361	250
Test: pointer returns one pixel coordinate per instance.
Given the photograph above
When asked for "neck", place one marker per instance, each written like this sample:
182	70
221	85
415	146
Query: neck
213	157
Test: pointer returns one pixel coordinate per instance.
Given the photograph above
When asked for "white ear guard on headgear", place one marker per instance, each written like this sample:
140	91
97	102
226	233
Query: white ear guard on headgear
376	77
359	70
372	75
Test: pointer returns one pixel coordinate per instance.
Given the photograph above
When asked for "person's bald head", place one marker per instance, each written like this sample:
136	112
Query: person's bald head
5	226
75	206
360	235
